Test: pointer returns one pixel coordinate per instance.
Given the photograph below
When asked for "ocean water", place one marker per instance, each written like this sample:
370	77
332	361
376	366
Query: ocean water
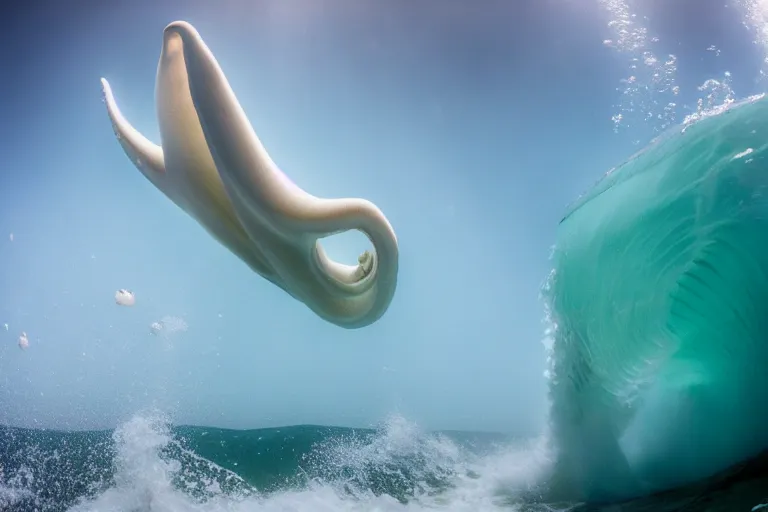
147	464
216	392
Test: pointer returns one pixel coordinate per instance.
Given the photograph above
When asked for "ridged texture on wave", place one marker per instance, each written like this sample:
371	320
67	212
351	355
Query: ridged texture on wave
660	300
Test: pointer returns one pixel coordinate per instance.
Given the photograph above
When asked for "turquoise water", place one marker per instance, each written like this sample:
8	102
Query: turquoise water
658	292
147	464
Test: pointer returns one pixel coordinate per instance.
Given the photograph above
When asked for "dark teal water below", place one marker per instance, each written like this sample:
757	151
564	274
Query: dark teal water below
146	466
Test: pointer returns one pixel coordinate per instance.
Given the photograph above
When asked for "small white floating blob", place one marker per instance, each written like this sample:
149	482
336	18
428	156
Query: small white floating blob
6	326
125	298
23	341
11	237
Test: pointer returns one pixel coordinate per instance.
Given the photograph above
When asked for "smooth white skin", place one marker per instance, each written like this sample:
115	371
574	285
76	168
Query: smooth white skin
213	166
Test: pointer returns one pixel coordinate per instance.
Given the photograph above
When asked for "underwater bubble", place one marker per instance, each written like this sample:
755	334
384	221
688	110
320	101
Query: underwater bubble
171	324
166	329
23	341
155	327
125	298
652	77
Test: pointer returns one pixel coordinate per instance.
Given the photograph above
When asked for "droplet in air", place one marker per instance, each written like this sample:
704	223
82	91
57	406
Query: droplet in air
23	341
125	298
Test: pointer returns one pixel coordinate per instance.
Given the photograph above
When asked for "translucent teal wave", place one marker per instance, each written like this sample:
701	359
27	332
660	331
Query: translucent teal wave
660	299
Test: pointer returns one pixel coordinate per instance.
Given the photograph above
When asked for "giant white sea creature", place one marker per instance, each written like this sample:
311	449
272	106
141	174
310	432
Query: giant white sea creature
213	166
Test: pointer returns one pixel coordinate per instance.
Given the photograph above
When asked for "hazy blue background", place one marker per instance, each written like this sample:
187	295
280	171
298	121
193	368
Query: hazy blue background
470	124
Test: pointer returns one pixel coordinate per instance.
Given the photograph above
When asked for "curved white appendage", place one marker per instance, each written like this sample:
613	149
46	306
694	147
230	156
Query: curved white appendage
145	155
266	200
150	160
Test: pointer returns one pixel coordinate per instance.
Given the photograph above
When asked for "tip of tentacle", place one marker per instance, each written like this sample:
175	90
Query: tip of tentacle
366	263
105	89
180	26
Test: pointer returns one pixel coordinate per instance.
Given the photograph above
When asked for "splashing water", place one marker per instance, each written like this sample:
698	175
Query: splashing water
649	93
756	20
147	477
395	468
147	465
11	496
720	97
